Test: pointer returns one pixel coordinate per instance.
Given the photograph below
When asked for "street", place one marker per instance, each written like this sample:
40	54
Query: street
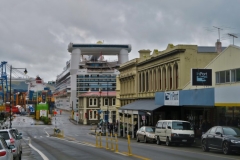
78	143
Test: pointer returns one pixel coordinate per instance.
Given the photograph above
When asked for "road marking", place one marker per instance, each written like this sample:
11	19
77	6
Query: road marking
137	156
41	154
46	131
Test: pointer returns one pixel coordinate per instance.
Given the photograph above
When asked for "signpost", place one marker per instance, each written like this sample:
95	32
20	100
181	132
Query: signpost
77	118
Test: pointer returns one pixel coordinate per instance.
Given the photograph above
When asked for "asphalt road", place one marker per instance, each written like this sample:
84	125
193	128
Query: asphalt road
79	144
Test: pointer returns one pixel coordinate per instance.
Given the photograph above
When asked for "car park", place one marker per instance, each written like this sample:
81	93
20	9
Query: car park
5	150
12	137
174	131
146	134
222	138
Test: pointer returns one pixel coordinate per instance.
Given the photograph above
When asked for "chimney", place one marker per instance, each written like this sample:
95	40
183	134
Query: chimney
144	54
218	46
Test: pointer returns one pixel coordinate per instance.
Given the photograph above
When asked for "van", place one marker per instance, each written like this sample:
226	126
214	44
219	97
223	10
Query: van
174	132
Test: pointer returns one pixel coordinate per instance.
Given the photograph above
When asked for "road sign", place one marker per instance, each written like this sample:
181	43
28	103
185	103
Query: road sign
77	114
143	118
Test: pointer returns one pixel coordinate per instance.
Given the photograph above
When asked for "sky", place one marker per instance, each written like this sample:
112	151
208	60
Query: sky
35	34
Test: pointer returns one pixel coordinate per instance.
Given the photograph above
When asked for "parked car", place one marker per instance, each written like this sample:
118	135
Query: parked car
222	138
146	134
13	138
5	150
174	131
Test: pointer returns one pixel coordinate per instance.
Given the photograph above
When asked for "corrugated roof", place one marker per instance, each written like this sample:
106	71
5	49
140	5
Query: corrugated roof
205	49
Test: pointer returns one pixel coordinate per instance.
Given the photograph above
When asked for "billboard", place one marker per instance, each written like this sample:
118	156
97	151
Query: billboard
171	98
201	77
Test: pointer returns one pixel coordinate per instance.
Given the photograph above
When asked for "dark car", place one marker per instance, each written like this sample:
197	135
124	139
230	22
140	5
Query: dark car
146	134
222	138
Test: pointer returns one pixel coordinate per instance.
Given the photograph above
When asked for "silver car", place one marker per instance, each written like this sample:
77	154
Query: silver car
5	150
13	138
146	134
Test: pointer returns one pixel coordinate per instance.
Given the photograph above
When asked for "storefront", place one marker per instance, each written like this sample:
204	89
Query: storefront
227	102
136	114
194	106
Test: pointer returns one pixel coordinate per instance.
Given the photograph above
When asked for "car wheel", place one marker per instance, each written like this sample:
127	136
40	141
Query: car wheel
226	148
137	139
168	143
158	141
145	139
205	146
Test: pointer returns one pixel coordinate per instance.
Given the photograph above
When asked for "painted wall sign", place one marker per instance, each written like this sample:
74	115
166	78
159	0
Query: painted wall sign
171	98
201	77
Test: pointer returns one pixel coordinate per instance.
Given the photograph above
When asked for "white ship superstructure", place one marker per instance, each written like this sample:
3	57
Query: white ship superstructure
87	70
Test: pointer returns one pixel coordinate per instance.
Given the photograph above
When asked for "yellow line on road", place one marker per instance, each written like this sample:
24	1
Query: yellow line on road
137	156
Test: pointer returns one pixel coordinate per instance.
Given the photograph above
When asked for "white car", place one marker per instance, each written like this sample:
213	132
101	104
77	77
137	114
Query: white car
5	150
12	137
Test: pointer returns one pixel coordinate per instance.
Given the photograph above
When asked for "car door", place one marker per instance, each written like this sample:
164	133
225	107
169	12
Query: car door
163	131
140	134
169	129
218	138
158	129
210	137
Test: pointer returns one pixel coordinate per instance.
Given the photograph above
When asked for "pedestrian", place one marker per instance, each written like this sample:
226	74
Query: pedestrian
111	128
204	127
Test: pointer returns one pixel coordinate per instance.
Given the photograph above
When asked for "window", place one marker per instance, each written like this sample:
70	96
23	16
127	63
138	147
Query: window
169	124
105	101
159	125
233	75
227	76
93	115
219	129
217	77
164	125
237	75
113	101
222	77
212	131
181	125
92	101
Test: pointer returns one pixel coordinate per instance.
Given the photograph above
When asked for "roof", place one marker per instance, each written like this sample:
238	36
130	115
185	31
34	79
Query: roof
144	105
207	49
102	94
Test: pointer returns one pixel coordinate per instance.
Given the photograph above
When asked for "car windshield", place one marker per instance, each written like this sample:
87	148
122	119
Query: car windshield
181	125
231	131
150	129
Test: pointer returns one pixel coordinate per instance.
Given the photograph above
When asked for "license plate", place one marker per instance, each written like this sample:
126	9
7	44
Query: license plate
184	140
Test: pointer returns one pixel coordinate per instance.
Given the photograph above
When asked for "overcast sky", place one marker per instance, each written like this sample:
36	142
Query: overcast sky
35	33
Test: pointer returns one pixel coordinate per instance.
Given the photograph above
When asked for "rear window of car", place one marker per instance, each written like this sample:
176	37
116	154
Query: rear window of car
5	135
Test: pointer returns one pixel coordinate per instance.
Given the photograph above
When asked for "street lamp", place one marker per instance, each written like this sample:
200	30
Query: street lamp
11	68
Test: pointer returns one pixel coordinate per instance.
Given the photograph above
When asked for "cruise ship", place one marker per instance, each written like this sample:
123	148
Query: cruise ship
88	70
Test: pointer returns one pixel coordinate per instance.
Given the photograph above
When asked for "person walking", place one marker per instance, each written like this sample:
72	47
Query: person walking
204	127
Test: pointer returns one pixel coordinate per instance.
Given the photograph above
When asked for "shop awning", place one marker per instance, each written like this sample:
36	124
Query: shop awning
143	105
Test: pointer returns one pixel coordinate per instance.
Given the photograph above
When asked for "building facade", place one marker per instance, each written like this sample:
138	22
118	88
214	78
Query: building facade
168	70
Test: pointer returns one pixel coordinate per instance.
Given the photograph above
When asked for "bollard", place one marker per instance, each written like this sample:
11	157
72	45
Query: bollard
129	147
116	143
100	138
96	140
112	143
107	140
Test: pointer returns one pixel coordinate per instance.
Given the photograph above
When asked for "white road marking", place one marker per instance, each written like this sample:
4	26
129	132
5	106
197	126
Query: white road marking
121	153
41	154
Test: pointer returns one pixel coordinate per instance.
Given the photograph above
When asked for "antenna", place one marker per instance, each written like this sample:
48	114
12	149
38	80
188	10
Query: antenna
232	35
218	31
